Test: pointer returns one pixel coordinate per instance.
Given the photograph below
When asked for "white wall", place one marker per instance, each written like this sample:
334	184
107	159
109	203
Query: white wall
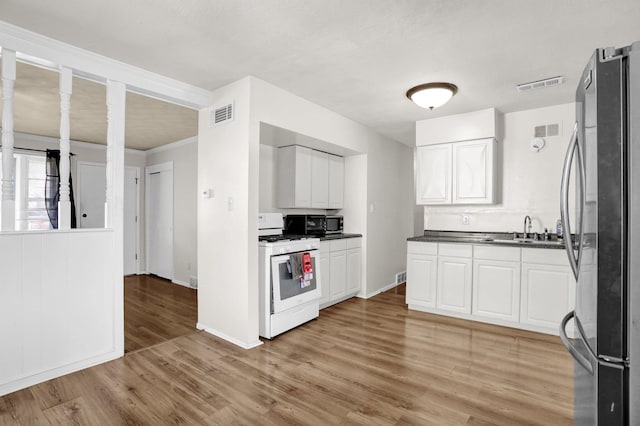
389	177
184	156
228	163
61	305
529	181
227	223
390	212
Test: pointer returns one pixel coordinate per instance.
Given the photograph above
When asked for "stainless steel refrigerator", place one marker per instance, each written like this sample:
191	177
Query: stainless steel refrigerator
603	164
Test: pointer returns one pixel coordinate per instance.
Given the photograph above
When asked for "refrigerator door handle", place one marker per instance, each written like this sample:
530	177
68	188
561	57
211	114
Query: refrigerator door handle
574	259
567	344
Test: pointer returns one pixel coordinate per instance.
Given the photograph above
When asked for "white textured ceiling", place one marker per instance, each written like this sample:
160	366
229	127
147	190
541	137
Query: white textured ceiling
149	122
355	57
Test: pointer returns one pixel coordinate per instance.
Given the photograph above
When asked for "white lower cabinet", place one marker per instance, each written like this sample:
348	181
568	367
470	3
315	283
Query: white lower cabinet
338	280
453	290
529	288
354	265
422	265
325	272
548	288
496	283
341	269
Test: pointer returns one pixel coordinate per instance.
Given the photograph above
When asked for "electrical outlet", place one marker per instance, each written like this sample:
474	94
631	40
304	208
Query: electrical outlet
465	219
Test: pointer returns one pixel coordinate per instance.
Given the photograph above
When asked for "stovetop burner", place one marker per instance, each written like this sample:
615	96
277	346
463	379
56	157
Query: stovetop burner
281	237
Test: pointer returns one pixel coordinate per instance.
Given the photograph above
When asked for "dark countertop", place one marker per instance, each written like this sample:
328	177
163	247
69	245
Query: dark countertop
339	236
488	238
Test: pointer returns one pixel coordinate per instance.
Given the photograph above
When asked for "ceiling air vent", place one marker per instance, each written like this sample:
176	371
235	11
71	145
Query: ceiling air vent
540	84
222	115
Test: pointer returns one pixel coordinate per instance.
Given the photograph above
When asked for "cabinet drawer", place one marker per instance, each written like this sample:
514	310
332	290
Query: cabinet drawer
455	250
337	245
422	248
325	246
354	243
545	256
496	253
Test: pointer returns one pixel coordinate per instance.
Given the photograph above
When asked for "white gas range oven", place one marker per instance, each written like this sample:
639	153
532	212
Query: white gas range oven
286	300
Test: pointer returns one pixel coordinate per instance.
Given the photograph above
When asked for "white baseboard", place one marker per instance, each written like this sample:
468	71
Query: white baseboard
182	283
230	339
382	290
34	379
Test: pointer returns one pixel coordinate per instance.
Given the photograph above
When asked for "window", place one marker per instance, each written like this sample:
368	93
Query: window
30	176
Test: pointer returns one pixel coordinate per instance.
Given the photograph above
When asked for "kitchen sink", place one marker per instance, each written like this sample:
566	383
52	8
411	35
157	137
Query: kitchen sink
524	241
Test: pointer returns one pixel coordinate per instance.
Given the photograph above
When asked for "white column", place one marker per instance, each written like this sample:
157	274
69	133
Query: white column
64	203
114	204
8	197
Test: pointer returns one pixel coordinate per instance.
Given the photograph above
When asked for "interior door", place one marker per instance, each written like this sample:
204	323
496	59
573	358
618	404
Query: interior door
160	221
92	183
131	220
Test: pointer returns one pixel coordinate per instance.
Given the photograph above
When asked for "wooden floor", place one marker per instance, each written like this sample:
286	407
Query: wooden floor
156	310
364	362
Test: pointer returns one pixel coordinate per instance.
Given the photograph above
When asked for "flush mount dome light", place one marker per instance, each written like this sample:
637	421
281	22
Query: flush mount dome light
432	95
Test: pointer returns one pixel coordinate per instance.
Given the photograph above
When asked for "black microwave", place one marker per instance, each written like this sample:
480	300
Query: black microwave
313	224
305	224
334	224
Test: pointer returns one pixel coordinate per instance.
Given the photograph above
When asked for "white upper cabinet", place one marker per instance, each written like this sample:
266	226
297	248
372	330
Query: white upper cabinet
456	173
307	178
434	174
294	177
319	180
336	182
473	172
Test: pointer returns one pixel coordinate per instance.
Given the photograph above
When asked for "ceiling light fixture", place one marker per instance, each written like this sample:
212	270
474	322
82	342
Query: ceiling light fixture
432	95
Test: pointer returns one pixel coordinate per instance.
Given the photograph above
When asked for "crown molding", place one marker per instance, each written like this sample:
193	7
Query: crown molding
172	145
43	51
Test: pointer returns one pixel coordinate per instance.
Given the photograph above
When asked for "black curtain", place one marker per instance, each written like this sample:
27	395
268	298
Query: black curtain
52	189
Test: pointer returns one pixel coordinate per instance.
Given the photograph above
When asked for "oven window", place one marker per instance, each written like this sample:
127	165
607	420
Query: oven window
290	287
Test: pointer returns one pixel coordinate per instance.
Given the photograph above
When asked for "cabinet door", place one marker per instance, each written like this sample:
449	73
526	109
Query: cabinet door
354	270
496	289
338	261
548	293
473	172
421	279
336	182
319	180
325	272
454	284
433	184
294	177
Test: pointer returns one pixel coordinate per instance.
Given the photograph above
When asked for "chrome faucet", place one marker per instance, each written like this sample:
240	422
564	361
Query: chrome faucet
527	229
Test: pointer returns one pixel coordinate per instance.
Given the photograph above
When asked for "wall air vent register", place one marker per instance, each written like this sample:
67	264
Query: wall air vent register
222	114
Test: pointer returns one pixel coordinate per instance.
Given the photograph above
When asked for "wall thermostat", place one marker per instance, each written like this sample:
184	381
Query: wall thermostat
537	144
